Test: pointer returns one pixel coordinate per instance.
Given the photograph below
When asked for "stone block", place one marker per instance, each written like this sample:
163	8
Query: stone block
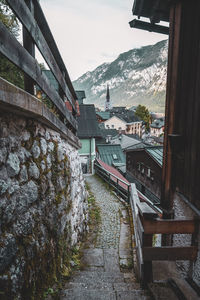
13	165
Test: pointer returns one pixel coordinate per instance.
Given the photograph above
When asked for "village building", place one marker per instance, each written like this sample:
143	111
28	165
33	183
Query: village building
102	116
111	154
144	168
88	131
157	127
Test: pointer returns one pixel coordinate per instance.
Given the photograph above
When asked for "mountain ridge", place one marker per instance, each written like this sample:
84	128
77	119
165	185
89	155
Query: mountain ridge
137	76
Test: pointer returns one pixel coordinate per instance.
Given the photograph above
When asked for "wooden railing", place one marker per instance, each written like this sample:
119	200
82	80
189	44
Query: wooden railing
146	224
121	187
36	32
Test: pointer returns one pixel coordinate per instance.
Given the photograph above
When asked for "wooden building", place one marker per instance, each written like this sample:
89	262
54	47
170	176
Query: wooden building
181	161
144	168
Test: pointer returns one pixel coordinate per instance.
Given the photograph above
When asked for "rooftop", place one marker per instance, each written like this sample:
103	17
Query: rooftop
87	122
156	153
105	115
111	154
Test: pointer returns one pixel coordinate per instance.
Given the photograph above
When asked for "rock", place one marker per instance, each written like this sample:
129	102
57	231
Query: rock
43	165
13	187
43	145
3	154
3	187
8	252
26	136
61	152
50	147
13	165
23	174
29	193
49	161
36	150
34	171
23	154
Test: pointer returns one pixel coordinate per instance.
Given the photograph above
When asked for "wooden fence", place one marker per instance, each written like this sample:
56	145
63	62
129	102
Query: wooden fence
121	187
147	223
36	32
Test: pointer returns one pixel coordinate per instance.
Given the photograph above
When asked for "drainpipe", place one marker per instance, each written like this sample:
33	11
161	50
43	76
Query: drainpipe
90	160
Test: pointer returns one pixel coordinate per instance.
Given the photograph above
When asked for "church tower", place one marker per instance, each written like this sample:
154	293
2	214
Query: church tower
108	104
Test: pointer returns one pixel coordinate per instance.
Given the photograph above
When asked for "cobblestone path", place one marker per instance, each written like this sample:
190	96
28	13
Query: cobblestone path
108	273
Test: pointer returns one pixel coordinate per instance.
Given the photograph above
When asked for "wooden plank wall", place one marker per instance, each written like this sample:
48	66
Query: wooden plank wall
181	170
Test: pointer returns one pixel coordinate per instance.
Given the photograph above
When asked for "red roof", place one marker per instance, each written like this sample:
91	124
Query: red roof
116	173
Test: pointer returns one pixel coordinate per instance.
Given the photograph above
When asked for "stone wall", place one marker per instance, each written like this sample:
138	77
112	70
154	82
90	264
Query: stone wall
186	268
43	206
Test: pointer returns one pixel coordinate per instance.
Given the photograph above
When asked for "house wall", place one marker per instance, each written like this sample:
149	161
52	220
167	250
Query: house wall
115	123
133	159
135	128
85	155
43	206
156	131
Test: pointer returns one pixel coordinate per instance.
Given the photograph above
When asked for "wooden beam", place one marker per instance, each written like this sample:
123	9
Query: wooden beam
168	226
146	211
149	26
33	33
170	253
15	52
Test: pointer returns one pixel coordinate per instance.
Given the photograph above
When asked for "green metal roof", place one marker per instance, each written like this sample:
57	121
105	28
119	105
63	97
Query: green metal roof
156	153
105	115
111	154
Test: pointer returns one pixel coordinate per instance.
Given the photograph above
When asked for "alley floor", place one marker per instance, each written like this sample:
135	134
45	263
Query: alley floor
108	263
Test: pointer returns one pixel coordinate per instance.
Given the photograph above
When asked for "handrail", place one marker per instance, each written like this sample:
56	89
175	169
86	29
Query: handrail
146	224
37	28
120	190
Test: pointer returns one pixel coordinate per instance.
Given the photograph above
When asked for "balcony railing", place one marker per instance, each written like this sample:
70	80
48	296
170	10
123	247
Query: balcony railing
148	222
36	32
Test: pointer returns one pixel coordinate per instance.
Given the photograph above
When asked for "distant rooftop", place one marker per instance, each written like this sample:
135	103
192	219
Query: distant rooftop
87	122
158	123
156	153
104	115
111	154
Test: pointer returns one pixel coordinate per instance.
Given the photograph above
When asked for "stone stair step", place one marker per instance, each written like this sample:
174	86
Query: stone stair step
96	276
132	295
90	286
122	286
161	290
80	294
88	295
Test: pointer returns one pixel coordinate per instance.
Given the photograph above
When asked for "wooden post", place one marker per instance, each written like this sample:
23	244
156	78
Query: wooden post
30	47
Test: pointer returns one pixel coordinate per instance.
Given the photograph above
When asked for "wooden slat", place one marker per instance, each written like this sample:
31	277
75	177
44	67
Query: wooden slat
146	211
27	19
15	52
169	253
140	231
168	226
44	27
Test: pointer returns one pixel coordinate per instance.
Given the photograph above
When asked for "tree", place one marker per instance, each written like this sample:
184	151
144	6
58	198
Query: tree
143	113
7	69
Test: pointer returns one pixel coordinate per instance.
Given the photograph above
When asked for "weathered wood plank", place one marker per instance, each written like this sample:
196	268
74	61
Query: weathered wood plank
15	52
140	231
169	253
16	100
27	19
44	27
168	226
146	211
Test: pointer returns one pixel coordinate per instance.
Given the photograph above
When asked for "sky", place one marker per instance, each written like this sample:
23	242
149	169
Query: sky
91	32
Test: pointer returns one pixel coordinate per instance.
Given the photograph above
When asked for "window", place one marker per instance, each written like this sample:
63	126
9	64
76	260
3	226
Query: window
113	126
149	172
114	156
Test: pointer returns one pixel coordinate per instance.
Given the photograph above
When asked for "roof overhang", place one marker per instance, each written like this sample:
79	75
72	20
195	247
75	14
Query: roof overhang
155	10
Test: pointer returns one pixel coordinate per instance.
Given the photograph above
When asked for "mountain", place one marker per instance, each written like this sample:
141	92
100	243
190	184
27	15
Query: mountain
135	77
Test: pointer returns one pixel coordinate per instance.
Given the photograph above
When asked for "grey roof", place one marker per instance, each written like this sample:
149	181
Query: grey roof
105	115
87	122
158	123
156	153
125	115
111	132
125	141
111	154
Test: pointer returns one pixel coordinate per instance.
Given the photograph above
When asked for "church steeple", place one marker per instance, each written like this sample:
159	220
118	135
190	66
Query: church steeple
108	105
108	94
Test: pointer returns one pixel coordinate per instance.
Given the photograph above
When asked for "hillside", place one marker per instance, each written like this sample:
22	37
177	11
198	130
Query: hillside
135	77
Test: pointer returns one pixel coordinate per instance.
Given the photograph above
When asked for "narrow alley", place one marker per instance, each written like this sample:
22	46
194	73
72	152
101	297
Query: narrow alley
108	266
